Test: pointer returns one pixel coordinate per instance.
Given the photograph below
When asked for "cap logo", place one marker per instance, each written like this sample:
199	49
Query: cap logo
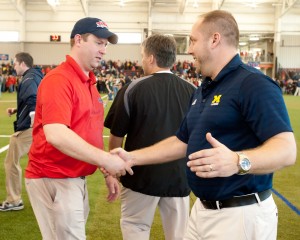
101	24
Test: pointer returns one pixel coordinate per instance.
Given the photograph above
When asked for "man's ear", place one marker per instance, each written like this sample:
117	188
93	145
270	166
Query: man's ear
22	64
216	37
152	59
77	38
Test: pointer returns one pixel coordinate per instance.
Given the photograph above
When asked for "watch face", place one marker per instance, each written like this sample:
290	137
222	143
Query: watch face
245	164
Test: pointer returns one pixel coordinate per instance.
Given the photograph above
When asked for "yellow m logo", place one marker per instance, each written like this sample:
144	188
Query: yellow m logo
217	99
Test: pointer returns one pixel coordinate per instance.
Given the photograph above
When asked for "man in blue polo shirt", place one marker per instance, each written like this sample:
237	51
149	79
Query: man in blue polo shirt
236	133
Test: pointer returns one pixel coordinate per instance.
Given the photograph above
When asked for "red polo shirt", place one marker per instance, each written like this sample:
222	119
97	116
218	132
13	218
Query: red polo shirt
67	96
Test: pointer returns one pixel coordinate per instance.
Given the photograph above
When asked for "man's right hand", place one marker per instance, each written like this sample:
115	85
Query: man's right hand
116	166
126	156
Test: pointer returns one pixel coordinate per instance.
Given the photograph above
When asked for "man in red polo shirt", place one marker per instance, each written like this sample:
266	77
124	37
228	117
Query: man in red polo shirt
67	137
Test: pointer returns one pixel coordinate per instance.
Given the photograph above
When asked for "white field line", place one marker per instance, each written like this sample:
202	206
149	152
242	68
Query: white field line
8	101
4	148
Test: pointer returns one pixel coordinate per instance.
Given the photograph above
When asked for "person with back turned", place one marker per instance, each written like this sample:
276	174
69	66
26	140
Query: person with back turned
147	110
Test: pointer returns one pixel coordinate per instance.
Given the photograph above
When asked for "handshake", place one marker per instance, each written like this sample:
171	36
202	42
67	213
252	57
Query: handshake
215	161
118	163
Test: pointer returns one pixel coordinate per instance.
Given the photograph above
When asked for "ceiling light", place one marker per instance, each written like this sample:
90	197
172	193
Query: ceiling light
53	3
252	4
253	38
195	5
242	43
122	3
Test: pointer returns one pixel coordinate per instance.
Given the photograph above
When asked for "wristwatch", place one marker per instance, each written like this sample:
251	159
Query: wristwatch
244	164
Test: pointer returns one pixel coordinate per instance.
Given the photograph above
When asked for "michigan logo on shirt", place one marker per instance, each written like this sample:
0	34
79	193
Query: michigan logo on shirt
216	100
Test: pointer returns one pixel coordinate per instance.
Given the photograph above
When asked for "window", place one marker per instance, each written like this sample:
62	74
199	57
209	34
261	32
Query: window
9	36
129	38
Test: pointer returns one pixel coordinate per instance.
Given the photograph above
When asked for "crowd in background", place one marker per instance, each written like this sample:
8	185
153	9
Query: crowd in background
112	75
288	80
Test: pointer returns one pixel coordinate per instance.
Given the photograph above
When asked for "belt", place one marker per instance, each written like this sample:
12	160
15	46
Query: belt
237	201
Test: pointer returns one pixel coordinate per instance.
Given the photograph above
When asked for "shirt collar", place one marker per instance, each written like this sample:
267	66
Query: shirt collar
91	78
164	71
234	63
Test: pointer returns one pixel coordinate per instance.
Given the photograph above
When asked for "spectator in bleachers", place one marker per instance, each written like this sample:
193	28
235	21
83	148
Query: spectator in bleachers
297	91
1	81
11	81
109	86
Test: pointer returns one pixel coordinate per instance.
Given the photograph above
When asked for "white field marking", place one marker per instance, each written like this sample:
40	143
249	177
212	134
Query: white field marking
4	148
8	101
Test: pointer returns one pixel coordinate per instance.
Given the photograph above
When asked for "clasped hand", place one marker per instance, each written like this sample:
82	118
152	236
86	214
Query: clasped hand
116	166
218	161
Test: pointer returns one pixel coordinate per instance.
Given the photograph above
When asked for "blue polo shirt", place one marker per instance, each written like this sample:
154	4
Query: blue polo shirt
242	108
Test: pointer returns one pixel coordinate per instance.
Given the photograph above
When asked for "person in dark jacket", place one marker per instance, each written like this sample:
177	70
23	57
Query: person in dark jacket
21	140
147	110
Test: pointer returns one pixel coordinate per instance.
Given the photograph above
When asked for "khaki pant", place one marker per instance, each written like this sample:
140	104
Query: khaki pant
19	145
138	210
255	222
61	207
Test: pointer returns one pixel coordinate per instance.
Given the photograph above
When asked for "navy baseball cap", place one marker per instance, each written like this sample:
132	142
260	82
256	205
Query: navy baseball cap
94	26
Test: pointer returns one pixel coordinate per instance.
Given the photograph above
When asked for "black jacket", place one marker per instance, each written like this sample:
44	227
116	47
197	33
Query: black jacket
26	97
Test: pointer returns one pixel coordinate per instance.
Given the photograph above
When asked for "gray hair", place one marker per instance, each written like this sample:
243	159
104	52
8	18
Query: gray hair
162	47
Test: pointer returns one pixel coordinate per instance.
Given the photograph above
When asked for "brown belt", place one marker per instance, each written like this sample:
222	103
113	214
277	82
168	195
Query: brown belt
237	201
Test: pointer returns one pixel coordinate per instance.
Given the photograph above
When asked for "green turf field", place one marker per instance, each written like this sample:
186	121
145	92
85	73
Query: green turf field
103	222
